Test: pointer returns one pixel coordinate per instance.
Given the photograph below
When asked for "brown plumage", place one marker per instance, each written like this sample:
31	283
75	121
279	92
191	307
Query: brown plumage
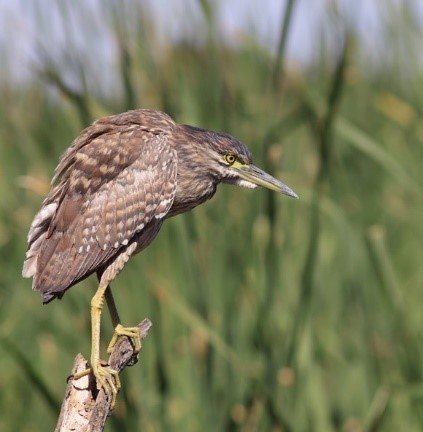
117	179
114	187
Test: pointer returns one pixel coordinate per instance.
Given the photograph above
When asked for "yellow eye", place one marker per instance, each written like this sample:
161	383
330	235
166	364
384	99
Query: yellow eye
230	158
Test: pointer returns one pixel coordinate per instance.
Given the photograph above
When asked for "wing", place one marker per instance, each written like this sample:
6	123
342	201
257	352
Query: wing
113	187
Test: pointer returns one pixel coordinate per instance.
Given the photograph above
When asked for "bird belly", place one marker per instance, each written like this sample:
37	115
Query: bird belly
147	235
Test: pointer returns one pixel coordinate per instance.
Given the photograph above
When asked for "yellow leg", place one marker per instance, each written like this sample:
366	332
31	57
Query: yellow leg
106	377
111	305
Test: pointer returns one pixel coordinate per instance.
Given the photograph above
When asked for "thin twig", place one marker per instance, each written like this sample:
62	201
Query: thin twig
84	408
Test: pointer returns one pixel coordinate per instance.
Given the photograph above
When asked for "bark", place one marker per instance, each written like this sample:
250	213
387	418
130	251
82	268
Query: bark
84	408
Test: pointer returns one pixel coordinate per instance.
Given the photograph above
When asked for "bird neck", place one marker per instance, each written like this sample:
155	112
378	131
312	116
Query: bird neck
190	194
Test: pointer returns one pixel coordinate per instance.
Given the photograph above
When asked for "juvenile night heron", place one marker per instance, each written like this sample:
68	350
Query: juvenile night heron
112	190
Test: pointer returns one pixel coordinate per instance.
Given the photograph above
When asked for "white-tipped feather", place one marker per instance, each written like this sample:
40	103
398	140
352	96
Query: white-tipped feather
36	235
39	220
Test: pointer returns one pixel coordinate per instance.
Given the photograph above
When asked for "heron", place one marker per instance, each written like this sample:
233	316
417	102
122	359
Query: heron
113	188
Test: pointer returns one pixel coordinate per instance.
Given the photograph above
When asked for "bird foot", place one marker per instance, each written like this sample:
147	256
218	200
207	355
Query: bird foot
106	378
132	333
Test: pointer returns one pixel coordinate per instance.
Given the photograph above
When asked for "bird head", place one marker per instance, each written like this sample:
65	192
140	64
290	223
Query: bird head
229	161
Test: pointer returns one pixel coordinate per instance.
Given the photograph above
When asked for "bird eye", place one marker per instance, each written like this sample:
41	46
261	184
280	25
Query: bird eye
230	158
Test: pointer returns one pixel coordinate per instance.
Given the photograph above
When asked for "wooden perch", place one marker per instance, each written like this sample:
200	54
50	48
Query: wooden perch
84	408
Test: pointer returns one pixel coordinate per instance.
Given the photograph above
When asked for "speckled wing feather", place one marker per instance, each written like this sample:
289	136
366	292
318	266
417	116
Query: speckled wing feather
109	186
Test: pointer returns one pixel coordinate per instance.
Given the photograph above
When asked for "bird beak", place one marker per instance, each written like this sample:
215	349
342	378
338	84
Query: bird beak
259	177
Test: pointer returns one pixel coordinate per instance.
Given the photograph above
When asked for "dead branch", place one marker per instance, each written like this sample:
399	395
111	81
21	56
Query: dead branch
84	408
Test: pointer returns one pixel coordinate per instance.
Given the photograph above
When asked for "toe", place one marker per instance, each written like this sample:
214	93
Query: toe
132	332
107	379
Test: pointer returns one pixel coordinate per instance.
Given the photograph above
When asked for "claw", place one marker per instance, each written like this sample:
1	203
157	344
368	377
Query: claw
131	332
106	378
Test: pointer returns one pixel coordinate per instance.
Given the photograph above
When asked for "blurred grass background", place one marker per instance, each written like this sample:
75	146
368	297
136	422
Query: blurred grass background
269	314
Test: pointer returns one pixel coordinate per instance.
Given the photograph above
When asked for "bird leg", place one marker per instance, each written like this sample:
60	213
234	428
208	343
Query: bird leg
132	332
106	377
111	305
